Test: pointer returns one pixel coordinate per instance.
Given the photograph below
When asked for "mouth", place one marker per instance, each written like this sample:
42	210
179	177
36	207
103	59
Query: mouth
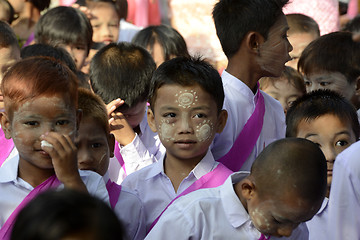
184	144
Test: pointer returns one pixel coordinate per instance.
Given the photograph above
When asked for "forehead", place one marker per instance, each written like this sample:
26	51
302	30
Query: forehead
172	93
104	11
322	124
280	25
96	127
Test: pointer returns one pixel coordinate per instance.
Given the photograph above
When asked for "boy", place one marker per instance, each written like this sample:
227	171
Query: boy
94	152
302	31
253	37
66	27
40	96
286	88
285	188
186	111
120	74
330	121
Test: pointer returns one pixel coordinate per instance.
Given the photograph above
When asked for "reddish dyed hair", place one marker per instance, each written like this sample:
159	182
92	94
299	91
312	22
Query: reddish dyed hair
38	76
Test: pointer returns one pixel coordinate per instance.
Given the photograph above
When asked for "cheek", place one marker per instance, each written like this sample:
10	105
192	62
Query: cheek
259	220
204	131
166	130
104	162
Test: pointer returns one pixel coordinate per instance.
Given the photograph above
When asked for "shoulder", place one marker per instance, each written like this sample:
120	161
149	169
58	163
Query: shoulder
140	175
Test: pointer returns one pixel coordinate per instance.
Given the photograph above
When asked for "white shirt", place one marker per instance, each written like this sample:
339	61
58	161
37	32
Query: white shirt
130	211
344	200
240	104
141	152
155	188
14	189
318	224
212	213
127	31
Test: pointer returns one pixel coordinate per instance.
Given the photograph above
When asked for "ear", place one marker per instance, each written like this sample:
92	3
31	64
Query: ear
79	114
247	189
111	143
222	118
253	41
5	124
151	120
357	86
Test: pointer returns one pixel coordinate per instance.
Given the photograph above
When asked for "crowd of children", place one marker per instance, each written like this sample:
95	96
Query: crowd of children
103	139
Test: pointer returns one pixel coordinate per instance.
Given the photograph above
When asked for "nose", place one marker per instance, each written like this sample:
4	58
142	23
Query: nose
185	126
85	159
329	153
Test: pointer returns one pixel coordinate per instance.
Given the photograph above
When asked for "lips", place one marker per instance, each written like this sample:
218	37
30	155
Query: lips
185	144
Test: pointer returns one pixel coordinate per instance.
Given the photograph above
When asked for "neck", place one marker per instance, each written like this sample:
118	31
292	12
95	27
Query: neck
33	174
243	72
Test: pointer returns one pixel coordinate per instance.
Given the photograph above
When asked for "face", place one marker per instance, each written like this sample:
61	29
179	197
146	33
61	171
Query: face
186	121
280	215
35	118
334	81
136	114
105	23
299	41
274	52
18	5
93	149
157	53
283	91
78	52
331	134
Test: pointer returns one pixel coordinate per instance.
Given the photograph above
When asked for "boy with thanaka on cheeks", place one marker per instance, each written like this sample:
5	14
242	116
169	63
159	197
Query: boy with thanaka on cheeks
285	188
186	101
41	116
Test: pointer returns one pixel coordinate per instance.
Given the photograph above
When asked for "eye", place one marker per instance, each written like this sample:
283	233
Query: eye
96	145
276	221
62	122
169	115
341	143
200	115
31	123
80	47
307	83
96	25
324	84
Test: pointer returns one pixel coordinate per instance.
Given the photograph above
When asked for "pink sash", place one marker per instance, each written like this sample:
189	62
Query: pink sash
114	192
262	237
119	157
6	147
246	141
212	179
51	182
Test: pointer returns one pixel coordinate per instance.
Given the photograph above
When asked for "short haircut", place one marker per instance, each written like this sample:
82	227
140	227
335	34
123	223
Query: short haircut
34	77
58	214
7	36
64	25
353	25
171	41
318	103
124	71
40	4
8	9
300	23
291	164
291	75
188	71
235	18
333	52
92	106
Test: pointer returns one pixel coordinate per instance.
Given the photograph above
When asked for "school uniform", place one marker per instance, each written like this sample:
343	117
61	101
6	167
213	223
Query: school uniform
155	188
213	213
240	103
318	224
344	200
7	150
13	189
129	209
144	150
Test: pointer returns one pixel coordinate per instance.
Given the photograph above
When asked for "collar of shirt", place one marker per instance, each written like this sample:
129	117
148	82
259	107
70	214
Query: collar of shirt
8	171
206	165
234	210
323	205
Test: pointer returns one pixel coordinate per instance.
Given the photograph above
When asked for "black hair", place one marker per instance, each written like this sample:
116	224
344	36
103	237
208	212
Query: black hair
64	25
235	18
333	52
123	71
171	41
40	4
7	36
300	23
188	71
353	25
318	103
57	214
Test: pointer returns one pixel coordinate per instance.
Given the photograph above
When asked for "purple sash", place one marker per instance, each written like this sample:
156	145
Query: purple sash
212	179
246	141
6	147
114	192
262	237
119	157
51	182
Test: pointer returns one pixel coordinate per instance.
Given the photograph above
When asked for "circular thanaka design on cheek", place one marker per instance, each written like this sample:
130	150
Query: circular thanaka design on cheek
260	222
166	130
186	99
204	130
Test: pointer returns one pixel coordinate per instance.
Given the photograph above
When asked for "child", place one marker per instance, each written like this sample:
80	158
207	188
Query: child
9	54
330	121
94	152
67	214
66	27
163	43
186	110
120	74
253	37
286	88
285	188
332	62
6	12
40	96
302	31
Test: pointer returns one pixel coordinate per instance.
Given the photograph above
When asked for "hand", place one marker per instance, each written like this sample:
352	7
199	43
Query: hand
84	9
63	154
